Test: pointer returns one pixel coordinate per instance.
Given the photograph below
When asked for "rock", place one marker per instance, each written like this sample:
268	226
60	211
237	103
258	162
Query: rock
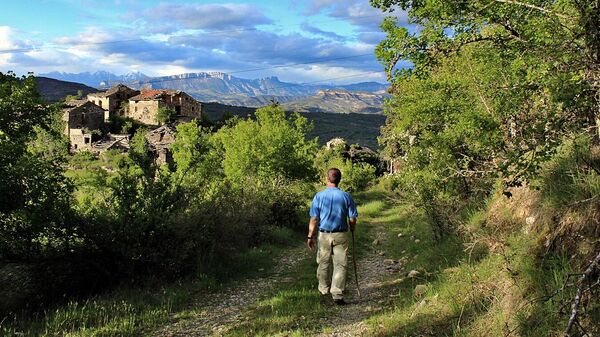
400	235
417	240
530	220
375	242
412	237
389	261
381	253
413	273
420	290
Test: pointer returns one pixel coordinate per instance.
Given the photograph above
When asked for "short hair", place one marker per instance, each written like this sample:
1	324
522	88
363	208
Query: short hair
334	175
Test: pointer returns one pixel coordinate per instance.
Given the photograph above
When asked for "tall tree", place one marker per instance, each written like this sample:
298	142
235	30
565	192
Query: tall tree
35	198
547	51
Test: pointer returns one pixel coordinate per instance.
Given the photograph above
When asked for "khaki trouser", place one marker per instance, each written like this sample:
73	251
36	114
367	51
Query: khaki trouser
332	247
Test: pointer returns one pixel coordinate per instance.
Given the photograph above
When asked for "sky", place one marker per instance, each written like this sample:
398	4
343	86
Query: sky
301	41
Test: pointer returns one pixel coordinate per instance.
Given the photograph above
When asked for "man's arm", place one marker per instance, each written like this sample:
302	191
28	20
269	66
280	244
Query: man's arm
352	213
312	228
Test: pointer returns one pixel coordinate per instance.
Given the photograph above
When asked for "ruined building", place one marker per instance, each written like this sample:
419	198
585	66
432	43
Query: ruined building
144	107
111	99
82	119
159	142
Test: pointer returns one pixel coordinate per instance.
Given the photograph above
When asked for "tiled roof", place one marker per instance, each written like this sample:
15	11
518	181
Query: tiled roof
113	90
151	94
75	103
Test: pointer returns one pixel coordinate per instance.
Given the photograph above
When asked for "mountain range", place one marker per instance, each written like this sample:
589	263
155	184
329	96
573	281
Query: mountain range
364	97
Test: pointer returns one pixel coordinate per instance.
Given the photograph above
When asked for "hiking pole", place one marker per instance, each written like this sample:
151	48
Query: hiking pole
354	261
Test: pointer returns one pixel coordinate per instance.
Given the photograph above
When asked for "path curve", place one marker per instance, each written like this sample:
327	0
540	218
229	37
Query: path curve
220	309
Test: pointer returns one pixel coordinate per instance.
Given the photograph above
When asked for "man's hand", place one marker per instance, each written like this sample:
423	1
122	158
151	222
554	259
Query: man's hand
310	243
352	224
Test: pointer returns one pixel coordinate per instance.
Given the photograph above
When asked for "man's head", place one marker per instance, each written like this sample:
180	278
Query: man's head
334	176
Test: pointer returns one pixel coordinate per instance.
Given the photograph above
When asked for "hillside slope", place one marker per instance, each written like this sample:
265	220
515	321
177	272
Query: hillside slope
339	101
54	90
355	128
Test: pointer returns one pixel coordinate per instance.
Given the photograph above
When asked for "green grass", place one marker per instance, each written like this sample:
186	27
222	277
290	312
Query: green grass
132	311
488	293
482	293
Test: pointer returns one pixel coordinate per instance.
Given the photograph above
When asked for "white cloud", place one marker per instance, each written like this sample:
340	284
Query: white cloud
168	16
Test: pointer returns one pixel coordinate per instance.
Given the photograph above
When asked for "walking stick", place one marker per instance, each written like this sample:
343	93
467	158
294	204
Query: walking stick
354	261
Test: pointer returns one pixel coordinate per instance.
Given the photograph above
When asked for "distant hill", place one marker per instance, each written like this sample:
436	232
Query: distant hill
355	128
54	90
227	89
98	79
339	101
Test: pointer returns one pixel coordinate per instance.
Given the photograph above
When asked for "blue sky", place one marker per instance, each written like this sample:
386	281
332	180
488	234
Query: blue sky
310	40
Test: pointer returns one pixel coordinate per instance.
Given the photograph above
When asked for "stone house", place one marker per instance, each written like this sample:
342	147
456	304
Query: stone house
144	107
111	99
159	142
81	119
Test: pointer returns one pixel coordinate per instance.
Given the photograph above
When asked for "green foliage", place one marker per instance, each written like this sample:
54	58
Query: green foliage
356	176
494	89
122	125
51	142
165	115
139	152
171	219
271	148
571	177
504	68
75	97
35	211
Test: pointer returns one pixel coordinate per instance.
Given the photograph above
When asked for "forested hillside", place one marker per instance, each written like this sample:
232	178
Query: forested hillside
360	129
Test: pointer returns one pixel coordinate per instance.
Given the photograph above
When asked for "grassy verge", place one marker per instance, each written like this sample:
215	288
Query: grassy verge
133	311
472	289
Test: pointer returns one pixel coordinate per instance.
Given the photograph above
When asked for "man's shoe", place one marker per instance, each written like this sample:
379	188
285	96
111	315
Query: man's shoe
339	301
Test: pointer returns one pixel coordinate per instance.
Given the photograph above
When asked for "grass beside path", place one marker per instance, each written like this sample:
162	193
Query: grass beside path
296	309
462	292
133	311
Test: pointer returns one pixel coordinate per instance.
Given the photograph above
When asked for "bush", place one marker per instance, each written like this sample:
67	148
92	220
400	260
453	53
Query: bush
357	177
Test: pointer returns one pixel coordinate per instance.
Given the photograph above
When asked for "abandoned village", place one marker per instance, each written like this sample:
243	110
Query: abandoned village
86	120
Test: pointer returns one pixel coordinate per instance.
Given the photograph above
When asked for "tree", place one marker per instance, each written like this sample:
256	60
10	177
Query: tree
272	147
534	68
35	203
165	115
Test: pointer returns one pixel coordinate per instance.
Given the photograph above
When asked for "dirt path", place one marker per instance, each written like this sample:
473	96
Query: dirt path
376	275
234	308
216	311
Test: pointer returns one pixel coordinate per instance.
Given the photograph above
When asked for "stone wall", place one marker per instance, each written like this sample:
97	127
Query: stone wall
144	111
183	104
80	141
87	115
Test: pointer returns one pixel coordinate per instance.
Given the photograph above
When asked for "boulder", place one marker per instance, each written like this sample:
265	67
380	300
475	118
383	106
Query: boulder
420	290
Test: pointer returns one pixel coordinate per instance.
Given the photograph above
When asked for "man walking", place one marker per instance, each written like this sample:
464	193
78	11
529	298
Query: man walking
334	212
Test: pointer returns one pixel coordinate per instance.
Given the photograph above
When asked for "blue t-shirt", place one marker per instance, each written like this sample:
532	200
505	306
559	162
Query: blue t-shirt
333	207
